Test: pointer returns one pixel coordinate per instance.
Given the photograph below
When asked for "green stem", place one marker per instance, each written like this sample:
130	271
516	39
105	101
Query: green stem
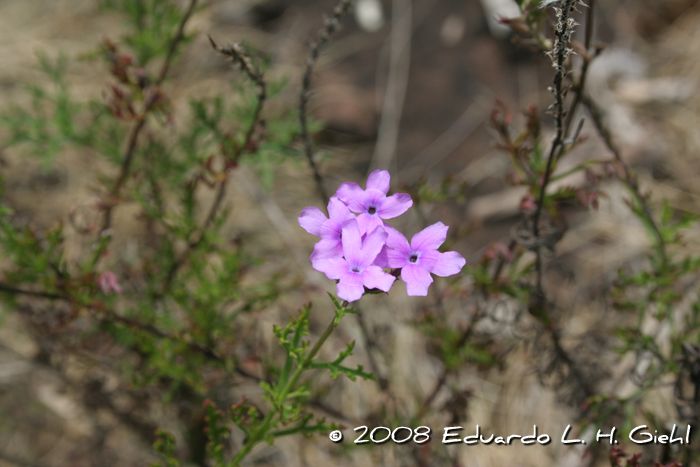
259	434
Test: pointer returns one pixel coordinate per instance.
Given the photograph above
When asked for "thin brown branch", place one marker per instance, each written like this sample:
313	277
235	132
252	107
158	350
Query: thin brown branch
194	244
538	305
19	291
502	262
330	27
560	52
123	172
240	58
138	127
581	381
179	35
243	60
464	337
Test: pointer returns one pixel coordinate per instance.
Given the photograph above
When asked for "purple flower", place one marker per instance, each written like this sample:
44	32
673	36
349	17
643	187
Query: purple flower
373	204
421	257
355	271
329	229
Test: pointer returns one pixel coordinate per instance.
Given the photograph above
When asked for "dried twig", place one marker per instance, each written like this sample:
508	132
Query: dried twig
330	27
579	86
560	52
538	305
242	59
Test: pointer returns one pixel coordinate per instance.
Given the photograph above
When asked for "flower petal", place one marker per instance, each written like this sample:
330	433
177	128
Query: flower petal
395	205
350	287
381	259
312	219
396	258
397	250
430	238
371	246
369	222
449	263
374	198
374	278
395	239
353	196
379	180
428	259
352	241
331	229
338	211
327	248
333	268
417	280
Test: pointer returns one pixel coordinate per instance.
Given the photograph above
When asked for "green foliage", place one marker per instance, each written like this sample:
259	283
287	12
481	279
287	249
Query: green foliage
51	123
216	432
453	350
286	395
336	369
165	447
37	259
153	24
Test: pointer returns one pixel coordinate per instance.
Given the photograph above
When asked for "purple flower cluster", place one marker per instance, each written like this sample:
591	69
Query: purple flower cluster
354	249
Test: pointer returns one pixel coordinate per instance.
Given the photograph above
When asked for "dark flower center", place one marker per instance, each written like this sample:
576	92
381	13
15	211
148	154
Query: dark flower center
413	258
355	269
372	210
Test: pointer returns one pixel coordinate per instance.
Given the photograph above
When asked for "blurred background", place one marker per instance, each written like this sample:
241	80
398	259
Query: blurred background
405	84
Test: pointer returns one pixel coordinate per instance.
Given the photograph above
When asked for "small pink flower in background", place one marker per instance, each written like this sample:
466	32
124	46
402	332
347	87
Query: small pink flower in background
420	258
356	270
373	204
108	283
498	249
528	203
